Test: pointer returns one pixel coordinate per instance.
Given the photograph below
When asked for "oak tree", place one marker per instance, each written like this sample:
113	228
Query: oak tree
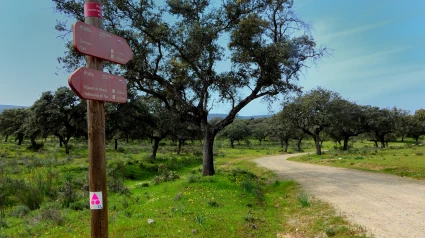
180	47
312	112
11	121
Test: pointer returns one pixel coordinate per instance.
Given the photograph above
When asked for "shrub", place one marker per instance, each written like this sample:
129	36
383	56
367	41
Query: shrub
178	197
213	203
200	218
67	194
173	164
165	175
248	143
116	183
51	212
118	186
2	220
250	218
40	183
3	154
157	180
143	185
304	200
20	211
32	198
198	152
36	146
244	173
330	231
192	178
79	205
116	170
7	188
125	204
128	213
248	186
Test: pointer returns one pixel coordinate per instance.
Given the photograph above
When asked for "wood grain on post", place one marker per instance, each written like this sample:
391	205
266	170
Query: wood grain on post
96	145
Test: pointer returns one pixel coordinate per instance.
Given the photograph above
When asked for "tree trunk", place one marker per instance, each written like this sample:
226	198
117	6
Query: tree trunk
376	143
402	139
417	140
20	139
66	147
155	146
64	141
317	143
180	146
116	144
281	143
7	137
208	160
382	140
299	143
232	143
33	143
260	140
345	147
286	145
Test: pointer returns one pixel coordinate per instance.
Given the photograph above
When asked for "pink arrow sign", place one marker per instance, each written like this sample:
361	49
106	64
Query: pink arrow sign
93	84
90	40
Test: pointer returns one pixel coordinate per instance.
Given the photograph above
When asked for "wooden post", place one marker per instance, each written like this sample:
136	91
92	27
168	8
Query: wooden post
96	145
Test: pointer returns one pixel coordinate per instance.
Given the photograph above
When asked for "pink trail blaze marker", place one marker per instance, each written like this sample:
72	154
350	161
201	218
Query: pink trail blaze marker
96	200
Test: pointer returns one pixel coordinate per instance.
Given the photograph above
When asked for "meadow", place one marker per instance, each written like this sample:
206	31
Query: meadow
405	159
44	193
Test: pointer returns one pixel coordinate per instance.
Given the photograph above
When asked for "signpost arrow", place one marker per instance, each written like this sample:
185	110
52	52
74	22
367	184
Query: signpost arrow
90	40
93	84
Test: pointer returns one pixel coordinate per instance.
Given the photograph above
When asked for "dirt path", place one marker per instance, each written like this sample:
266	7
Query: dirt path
386	205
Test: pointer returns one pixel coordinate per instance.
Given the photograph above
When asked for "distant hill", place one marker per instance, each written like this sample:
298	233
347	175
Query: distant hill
219	115
2	107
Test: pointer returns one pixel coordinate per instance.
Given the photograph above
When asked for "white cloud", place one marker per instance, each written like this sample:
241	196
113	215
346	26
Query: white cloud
349	32
367	77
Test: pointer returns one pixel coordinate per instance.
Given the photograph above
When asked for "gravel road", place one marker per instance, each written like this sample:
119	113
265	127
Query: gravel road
386	205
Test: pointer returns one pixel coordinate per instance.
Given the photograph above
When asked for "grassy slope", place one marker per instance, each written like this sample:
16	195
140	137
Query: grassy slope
241	200
401	158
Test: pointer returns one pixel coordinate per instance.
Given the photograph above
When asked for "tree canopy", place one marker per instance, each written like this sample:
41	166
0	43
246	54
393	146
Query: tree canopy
312	112
178	46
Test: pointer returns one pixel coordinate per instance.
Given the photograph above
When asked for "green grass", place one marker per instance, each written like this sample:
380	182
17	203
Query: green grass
241	200
401	158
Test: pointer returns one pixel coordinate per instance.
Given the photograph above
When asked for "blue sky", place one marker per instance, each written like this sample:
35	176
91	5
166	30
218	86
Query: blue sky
377	52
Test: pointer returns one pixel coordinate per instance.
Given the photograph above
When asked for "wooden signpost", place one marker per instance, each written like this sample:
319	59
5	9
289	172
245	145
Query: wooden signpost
93	41
93	84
